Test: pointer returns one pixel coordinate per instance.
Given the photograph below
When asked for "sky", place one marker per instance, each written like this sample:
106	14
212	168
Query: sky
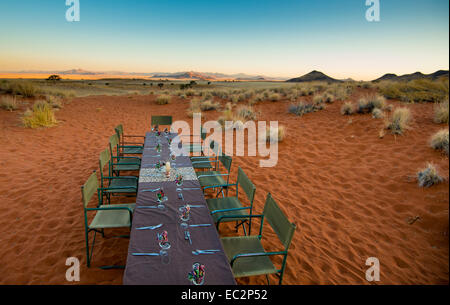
279	38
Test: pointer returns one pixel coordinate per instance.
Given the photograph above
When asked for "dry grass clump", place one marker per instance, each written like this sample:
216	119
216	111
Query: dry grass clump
275	134
163	99
362	105
377	113
441	112
347	108
9	103
419	90
194	107
429	176
399	121
246	113
41	115
439	141
23	88
208	105
274	97
376	102
302	108
54	101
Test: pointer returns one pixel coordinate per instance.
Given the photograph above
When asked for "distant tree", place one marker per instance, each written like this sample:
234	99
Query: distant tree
209	83
193	83
182	86
54	77
106	84
144	84
160	85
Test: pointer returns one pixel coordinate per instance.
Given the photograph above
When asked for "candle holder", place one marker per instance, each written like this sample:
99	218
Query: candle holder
185	212
179	180
161	196
163	240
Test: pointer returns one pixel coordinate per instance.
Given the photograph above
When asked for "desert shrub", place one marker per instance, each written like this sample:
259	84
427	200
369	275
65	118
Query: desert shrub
377	113
24	88
9	103
362	106
208	105
41	115
441	113
163	99
190	92
274	97
246	113
274	134
347	108
429	176
439	141
399	121
376	102
419	90
301	108
54	101
194	107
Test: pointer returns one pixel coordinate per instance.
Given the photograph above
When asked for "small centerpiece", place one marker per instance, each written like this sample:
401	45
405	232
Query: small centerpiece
179	180
185	212
163	240
161	197
158	147
197	275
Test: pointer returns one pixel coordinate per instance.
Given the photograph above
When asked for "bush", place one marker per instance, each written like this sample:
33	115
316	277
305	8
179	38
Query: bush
163	99
54	101
41	115
376	102
441	113
362	106
439	141
399	120
419	90
274	97
377	113
208	105
246	113
347	108
275	134
429	176
26	89
9	103
302	108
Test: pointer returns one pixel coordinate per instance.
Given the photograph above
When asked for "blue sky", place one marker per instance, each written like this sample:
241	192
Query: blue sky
276	38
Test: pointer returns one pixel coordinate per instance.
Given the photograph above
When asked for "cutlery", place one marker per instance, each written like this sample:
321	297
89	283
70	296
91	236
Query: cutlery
150	227
189	236
151	190
197	206
201	225
147	207
198	252
145	254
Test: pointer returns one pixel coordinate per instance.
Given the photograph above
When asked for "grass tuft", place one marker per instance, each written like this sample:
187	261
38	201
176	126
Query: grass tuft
41	115
399	121
429	176
439	141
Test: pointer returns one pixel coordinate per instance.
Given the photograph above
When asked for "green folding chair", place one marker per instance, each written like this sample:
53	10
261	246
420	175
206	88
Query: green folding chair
246	254
161	120
106	216
228	206
129	148
215	179
119	162
197	145
210	161
117	185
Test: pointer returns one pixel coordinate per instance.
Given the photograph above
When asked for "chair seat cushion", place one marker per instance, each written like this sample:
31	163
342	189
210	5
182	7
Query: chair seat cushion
112	218
247	266
133	150
226	203
124	164
210	179
123	182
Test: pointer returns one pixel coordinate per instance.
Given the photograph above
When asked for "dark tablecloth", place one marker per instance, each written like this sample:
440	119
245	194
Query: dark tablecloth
149	270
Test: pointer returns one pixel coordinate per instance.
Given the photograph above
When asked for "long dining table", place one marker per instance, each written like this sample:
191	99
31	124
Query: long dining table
174	268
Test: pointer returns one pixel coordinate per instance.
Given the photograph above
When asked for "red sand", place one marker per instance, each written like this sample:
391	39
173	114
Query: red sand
348	191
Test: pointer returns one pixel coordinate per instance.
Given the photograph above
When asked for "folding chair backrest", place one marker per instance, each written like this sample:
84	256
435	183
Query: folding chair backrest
278	221
161	120
119	131
89	189
113	143
215	147
203	133
247	185
226	161
104	159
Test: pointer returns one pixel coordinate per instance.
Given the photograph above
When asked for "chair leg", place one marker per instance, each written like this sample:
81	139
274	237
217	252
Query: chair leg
268	280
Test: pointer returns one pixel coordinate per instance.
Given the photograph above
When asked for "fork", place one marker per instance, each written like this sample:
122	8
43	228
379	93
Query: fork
198	252
150	227
151	190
